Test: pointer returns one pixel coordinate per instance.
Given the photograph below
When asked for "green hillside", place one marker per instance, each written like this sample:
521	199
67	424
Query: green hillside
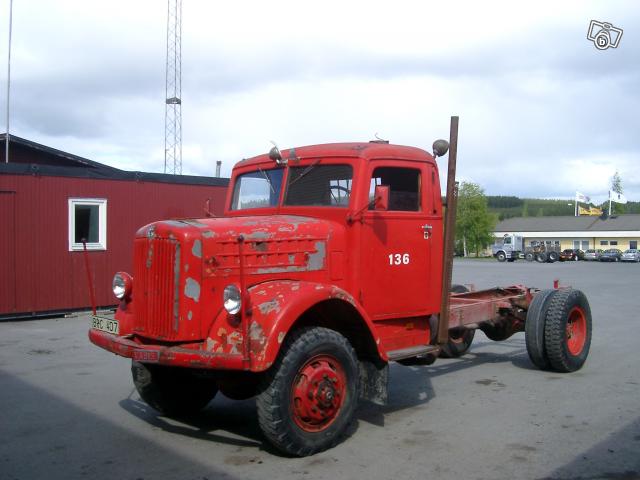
507	207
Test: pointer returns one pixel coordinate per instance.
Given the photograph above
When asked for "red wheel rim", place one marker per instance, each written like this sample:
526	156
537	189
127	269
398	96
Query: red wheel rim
318	393
576	331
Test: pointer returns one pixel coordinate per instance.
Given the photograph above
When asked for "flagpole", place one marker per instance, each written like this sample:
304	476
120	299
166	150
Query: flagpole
6	139
609	202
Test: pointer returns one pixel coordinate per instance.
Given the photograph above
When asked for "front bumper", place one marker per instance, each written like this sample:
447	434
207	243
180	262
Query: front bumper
176	356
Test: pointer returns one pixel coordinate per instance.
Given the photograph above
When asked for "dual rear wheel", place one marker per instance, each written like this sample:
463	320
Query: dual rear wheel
558	330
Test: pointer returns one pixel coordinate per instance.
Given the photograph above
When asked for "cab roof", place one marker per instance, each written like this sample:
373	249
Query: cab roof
365	151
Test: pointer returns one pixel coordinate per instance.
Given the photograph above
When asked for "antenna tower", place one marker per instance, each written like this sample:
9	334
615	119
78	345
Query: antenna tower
173	112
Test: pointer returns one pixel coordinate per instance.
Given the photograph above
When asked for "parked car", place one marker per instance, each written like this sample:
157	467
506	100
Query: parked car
611	255
592	254
574	254
631	255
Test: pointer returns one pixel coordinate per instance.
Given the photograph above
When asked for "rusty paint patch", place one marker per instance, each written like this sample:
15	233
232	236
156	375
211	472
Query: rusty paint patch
295	287
209	234
281	337
234	340
210	344
268	307
195	223
189	315
316	260
175	223
192	289
196	250
186	267
257	338
259	236
292	258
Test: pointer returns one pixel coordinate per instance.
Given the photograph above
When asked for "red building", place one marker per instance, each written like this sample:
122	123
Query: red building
50	200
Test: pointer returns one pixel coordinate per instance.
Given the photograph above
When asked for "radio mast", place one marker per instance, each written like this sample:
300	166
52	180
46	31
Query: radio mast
173	112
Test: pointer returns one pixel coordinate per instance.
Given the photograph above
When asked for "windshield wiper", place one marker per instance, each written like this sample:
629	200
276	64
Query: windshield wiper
304	172
273	190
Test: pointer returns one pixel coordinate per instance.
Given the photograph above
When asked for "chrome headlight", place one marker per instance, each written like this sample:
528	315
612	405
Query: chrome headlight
232	299
122	285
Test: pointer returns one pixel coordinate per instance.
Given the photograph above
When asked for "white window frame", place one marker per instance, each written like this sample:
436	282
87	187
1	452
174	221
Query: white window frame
101	244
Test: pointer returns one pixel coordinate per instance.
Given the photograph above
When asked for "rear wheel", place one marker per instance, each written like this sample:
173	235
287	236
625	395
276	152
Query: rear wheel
459	342
529	257
568	330
534	328
310	394
172	391
553	256
541	257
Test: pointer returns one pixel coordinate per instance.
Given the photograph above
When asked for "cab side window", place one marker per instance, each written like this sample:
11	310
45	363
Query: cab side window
404	187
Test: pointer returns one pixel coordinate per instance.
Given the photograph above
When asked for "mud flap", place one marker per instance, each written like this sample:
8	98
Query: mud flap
374	380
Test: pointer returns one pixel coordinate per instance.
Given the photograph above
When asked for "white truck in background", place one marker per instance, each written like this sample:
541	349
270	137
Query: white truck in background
511	247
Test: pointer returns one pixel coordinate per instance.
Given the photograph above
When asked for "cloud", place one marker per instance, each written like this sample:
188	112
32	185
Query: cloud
543	112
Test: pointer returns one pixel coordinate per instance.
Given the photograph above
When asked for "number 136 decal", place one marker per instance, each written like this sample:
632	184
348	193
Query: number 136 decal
399	259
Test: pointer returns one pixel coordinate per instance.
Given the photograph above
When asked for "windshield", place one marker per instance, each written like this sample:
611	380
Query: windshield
257	189
319	185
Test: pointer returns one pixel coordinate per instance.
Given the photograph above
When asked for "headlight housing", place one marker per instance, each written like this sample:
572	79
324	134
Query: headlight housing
122	285
232	299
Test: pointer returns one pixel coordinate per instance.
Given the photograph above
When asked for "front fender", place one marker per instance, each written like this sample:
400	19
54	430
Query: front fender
276	306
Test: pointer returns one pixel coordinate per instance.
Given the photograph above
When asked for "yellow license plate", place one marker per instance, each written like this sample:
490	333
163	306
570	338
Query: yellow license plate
108	325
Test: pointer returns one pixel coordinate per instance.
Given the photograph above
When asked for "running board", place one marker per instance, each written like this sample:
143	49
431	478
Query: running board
417	351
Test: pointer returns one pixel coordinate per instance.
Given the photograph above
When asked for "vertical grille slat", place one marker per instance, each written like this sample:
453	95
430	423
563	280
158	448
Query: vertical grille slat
155	287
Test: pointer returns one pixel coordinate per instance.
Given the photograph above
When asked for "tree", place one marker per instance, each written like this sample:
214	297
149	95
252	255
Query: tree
616	186
474	222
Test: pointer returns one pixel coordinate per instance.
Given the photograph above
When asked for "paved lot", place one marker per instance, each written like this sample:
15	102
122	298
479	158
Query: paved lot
68	410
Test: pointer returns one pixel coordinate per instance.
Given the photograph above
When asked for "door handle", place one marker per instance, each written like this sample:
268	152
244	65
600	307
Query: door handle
426	230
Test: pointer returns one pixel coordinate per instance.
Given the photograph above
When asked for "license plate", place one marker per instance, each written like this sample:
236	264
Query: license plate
105	324
148	356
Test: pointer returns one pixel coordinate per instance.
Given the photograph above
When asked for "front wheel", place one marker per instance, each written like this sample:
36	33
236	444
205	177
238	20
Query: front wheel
501	256
172	391
309	396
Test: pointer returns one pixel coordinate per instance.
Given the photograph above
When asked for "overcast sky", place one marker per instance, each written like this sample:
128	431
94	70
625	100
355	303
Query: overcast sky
543	113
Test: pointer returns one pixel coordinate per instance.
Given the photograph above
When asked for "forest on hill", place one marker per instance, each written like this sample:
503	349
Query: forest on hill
508	206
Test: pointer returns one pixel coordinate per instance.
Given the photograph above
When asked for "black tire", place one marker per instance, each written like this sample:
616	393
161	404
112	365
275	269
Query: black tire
459	340
541	257
323	361
497	333
239	386
511	260
501	256
567	335
534	328
529	257
172	391
553	257
458	344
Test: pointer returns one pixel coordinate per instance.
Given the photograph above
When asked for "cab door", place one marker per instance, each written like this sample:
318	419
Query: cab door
396	244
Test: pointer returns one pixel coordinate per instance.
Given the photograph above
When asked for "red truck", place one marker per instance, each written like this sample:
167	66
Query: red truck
330	262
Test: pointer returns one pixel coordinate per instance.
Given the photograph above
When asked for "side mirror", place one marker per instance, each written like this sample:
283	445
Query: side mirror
440	148
381	197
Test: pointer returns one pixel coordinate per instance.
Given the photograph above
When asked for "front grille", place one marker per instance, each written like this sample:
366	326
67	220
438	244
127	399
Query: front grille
156	281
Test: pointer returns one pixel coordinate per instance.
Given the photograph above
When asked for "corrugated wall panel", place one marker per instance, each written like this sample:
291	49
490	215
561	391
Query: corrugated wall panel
48	276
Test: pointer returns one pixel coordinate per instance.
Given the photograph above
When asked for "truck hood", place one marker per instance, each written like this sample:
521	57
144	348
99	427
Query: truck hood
271	244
